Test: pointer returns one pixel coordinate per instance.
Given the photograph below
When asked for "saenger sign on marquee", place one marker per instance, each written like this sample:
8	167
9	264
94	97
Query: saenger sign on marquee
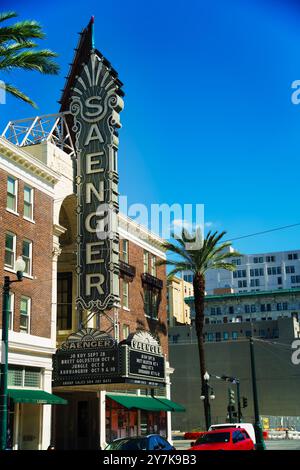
95	104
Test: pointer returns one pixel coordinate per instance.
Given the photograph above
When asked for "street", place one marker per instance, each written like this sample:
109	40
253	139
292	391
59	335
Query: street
284	444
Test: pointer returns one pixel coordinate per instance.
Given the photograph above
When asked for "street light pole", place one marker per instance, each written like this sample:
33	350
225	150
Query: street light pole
4	365
20	267
205	397
238	396
260	445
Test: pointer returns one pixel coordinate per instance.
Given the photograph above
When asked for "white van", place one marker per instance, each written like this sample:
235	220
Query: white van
247	426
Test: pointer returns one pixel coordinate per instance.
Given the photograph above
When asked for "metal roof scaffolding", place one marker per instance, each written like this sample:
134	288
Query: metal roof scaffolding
31	131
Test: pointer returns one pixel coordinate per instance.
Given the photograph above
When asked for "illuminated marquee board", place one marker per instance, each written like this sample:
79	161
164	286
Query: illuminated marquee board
92	357
95	103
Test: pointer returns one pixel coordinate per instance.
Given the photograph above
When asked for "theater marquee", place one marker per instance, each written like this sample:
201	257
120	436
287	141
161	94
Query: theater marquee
92	357
95	104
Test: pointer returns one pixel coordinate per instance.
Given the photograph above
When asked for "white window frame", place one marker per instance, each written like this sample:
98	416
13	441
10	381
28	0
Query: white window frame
28	314
30	219
28	274
11	311
125	256
6	266
15	210
125	305
125	327
146	261
153	265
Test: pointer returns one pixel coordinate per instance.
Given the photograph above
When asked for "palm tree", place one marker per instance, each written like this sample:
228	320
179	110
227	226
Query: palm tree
199	255
17	51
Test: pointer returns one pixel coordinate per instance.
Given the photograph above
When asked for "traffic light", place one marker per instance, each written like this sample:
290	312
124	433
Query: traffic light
231	396
245	402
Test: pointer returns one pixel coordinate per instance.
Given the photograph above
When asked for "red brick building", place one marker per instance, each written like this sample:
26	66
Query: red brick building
26	215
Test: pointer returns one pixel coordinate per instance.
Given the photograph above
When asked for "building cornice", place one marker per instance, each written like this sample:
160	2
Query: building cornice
140	235
28	162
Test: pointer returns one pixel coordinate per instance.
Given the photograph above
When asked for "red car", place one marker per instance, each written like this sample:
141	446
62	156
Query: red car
224	439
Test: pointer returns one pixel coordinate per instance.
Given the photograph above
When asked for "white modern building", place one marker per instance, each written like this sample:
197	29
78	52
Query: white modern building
255	272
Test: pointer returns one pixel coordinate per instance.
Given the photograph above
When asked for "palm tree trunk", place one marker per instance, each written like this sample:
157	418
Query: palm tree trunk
199	297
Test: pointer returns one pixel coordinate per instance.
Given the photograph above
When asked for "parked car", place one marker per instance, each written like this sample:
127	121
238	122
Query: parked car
150	442
248	426
224	439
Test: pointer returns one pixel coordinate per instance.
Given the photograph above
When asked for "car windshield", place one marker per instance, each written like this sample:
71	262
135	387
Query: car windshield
128	444
213	438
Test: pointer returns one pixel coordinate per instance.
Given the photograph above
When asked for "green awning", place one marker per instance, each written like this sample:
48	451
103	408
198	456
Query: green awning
39	397
132	402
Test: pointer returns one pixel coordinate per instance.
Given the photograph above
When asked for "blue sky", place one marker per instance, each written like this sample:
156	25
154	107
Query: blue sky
208	115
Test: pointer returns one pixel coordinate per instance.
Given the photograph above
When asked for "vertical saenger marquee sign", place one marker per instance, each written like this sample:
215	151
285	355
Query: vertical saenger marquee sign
95	103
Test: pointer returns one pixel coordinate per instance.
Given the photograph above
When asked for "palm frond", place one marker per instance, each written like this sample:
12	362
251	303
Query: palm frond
223	265
21	31
17	93
31	60
11	48
7	15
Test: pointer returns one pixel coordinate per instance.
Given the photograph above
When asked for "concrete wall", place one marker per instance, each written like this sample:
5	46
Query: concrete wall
278	380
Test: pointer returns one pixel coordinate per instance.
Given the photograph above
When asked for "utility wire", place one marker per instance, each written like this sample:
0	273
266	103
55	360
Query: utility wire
264	231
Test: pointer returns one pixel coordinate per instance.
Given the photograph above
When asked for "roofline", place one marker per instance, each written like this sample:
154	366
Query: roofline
28	161
238	295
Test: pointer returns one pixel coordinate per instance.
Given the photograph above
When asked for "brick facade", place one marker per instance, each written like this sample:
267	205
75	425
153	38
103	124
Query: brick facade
134	317
40	233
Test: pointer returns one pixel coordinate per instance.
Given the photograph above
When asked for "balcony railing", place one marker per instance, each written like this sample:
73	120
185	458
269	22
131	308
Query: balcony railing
126	269
152	281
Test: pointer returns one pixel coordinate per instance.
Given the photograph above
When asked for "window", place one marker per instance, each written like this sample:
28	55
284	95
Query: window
19	376
225	336
242	284
237	261
125	294
153	265
27	256
279	307
234	335
25	314
210	337
125	329
253	308
213	311
64	301
290	269
28	203
295	279
218	310
231	309
146	262
11	311
254	282
218	336
279	281
247	308
240	273
270	259
12	192
292	256
258	259
285	306
154	305
10	250
124	253
151	303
